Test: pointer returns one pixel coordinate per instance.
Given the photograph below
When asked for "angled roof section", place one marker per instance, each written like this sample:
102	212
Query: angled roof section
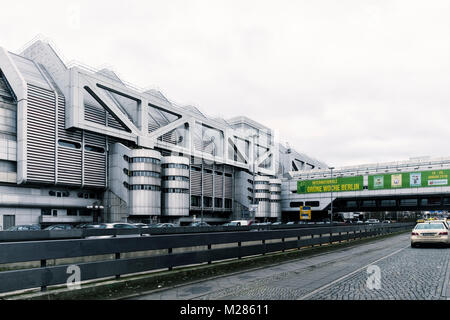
110	75
30	72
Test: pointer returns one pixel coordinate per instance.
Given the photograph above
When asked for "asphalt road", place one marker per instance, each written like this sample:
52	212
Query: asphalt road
383	269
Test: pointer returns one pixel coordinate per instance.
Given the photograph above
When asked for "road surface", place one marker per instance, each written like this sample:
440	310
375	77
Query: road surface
405	273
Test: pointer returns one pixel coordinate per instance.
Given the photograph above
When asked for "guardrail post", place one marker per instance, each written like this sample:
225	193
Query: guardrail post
117	257
239	250
209	248
169	251
298	239
264	244
43	265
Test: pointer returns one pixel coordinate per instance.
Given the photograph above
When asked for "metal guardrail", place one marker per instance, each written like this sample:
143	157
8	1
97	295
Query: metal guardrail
8	236
44	276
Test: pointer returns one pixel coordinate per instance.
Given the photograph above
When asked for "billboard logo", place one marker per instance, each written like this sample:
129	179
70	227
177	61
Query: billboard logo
415	179
438	182
396	180
378	182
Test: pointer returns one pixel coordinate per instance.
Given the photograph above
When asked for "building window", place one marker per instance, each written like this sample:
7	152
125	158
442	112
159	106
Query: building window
228	203
71	212
312	203
145	160
295	204
207	202
69	144
175	166
55	212
218	202
143	173
85	212
175	190
195	201
94	149
148	187
176	178
46	212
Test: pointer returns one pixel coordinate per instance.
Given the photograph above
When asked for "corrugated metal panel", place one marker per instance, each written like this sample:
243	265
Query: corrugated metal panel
41	127
72	135
69	166
196	182
69	160
94	162
94	169
228	192
95	114
94	139
218	186
113	123
207	184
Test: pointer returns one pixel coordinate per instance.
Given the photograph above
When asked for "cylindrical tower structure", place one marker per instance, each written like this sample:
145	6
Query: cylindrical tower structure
275	198
262	196
145	182
175	186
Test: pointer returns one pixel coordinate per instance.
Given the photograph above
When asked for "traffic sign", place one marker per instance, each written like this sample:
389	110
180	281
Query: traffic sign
305	213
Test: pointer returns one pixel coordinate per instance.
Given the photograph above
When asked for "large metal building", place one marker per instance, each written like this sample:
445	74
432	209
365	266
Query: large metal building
81	145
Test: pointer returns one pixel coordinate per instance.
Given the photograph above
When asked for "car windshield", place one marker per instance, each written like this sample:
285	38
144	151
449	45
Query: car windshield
427	226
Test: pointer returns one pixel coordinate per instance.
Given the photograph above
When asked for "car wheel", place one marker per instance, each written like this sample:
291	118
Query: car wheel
413	245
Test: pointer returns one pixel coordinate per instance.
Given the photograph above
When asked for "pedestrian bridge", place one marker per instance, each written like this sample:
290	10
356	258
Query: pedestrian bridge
412	185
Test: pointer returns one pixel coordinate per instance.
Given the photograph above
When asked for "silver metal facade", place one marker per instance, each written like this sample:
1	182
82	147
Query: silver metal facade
175	186
145	182
83	131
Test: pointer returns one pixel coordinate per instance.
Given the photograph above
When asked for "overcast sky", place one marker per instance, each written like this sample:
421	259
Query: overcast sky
347	82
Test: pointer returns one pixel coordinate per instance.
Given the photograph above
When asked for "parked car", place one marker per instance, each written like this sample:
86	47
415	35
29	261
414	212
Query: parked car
277	223
24	227
141	225
59	227
199	224
386	221
290	222
373	221
117	225
165	225
88	226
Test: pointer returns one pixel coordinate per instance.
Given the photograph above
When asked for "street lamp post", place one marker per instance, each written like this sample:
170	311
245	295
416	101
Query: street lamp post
253	175
331	197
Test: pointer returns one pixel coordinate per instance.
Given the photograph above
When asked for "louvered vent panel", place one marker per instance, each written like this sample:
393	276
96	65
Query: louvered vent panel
113	123
228	192
218	186
94	162
208	184
95	114
69	160
41	129
196	182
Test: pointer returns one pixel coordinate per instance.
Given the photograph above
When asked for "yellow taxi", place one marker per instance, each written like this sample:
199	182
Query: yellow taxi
430	232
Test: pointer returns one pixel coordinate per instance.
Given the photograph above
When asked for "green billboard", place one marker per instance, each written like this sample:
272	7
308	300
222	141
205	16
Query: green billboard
324	185
417	179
